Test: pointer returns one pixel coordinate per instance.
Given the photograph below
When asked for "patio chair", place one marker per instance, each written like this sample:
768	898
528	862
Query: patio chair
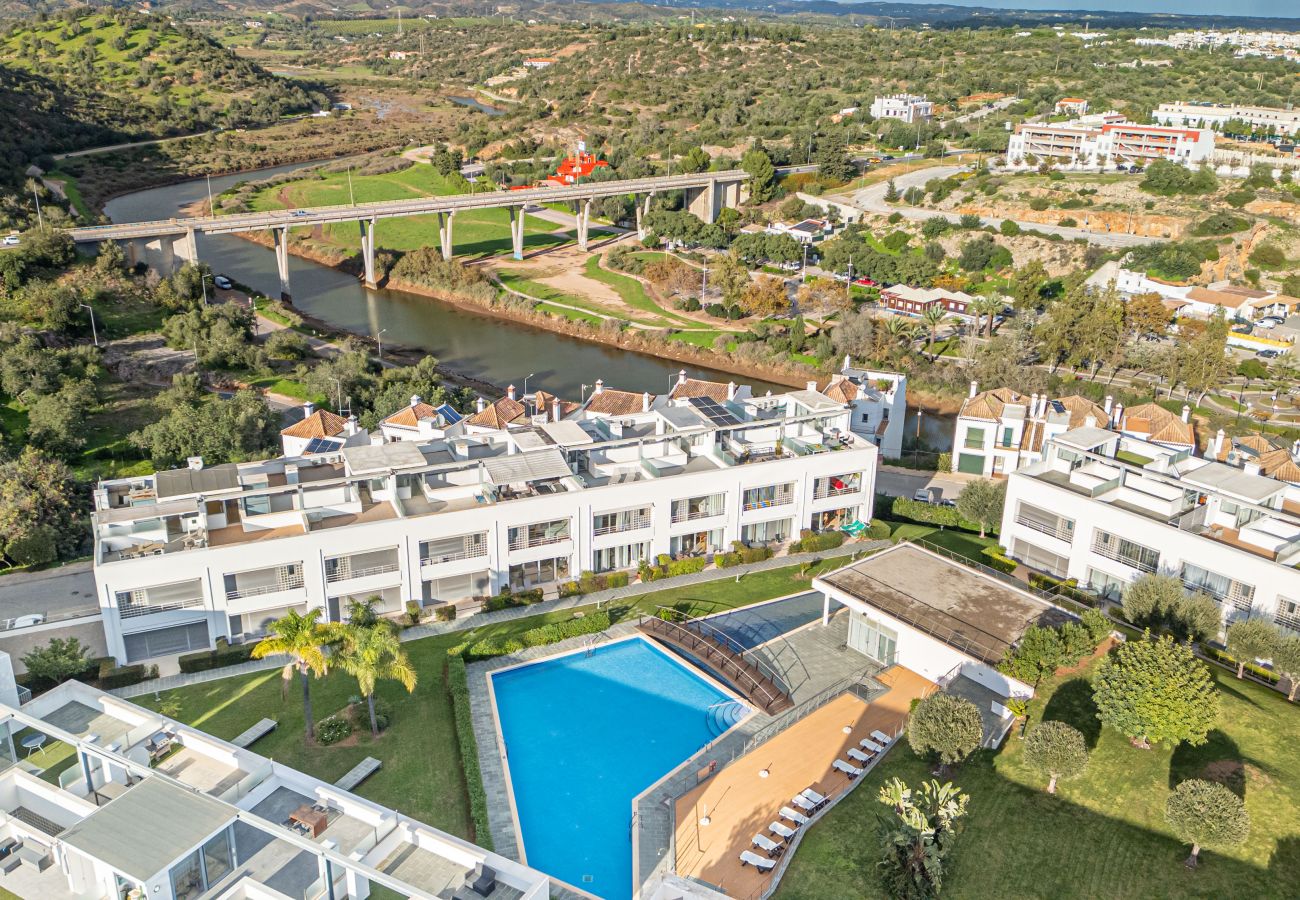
804	803
855	753
841	766
750	858
882	737
794	816
763	842
784	832
813	796
869	744
483	880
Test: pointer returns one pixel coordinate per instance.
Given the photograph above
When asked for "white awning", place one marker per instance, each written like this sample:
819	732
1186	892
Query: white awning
521	467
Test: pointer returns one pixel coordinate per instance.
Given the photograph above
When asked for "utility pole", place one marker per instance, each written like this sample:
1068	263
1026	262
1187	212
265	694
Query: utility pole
352	200
40	220
211	211
94	332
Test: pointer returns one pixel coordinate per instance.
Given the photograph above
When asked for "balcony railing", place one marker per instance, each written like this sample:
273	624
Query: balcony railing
781	499
524	543
132	610
1057	530
287	584
1141	565
631	524
825	490
692	515
343	573
468	553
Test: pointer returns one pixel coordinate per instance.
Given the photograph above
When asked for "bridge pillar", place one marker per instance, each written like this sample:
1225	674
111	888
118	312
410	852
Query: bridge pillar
368	251
445	220
517	218
584	223
188	246
703	202
137	252
642	211
280	236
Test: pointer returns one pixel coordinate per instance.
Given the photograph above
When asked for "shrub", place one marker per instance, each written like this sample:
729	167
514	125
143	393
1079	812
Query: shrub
1067	222
879	531
1009	228
412	612
1098	625
332	729
812	542
445	613
908	509
459	687
994	559
538	637
57	661
111	677
215	659
1068	588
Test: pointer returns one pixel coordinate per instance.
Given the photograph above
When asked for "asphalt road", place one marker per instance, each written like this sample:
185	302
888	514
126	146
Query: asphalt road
897	483
56	593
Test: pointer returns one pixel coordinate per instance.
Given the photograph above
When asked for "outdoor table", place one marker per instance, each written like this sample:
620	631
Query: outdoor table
35	741
314	819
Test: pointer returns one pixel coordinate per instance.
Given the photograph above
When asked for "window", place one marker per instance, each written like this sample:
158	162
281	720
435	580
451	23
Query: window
1037	558
457	587
217	859
1047	522
769	495
623	520
362	565
974	439
263	581
776	531
160	598
539	534
970	463
1006	437
692	508
1105	584
1222	588
1288	614
696	542
625	556
187	877
166	641
462	546
1125	551
542	571
835	485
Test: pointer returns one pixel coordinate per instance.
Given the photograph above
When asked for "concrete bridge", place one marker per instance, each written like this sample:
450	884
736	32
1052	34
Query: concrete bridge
170	243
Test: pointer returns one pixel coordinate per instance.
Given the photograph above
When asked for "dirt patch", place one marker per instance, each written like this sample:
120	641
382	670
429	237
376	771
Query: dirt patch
1102	650
1099	220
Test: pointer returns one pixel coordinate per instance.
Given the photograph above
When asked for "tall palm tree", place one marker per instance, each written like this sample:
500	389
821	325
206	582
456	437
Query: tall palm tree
369	653
901	331
933	317
985	306
304	639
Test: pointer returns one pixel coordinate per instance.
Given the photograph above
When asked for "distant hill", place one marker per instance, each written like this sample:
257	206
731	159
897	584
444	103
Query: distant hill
86	78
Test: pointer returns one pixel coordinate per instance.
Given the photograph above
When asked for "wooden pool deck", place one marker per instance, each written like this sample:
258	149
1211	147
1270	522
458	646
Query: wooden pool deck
739	803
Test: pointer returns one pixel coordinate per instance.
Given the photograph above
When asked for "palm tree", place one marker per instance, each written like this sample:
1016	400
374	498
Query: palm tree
901	330
304	639
371	653
985	306
933	317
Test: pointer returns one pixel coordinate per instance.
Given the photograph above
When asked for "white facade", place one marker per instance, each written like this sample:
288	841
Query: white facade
909	108
1104	509
1214	115
999	430
183	558
879	405
1085	145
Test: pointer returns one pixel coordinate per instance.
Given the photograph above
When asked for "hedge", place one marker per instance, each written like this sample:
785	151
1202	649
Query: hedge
879	530
216	659
537	637
811	542
458	684
994	559
111	677
1258	671
929	513
1068	588
590	582
506	599
670	568
743	555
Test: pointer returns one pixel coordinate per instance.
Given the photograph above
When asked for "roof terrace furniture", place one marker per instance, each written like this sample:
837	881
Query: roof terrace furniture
36	855
483	880
314	820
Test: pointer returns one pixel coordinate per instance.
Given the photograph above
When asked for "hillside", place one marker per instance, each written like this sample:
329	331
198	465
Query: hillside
83	78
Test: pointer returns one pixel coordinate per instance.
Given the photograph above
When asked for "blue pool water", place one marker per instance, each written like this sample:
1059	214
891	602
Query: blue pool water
584	735
751	626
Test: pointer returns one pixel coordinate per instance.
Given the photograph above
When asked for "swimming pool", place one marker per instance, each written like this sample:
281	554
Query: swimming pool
751	626
584	735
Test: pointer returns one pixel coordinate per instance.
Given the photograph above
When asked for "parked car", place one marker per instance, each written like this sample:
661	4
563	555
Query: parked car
1269	353
1270	322
222	282
865	282
12	240
922	495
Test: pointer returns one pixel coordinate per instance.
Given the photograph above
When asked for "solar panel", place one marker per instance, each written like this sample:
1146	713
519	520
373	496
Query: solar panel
449	415
716	413
1058	406
323	445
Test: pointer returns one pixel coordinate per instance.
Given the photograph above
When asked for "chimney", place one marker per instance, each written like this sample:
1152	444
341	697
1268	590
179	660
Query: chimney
974	388
1252	467
510	392
1295	450
645	401
415	399
731	390
600	386
1218	443
1090	422
351	427
1033	406
812	385
681	376
195	463
1118	418
1187	413
848	361
1110	401
480	404
308	409
556	410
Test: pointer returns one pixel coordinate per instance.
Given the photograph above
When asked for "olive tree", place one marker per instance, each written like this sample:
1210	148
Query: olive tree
1286	662
1148	599
1251	639
1155	691
945	727
1057	751
1206	812
982	502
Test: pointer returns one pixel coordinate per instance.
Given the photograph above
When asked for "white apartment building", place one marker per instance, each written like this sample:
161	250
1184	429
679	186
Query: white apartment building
1110	144
909	108
1105	508
1000	430
151	808
878	404
1214	115
186	556
1236	302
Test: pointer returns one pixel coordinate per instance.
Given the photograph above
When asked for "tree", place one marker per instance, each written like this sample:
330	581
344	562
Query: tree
729	275
982	502
833	162
57	661
1286	662
762	174
765	297
695	160
933	317
1203	363
40	510
1155	691
240	428
1206	812
891	192
1039	653
304	639
369	653
1251	639
918	836
1196	617
1146	314
983	306
1148	600
1057	751
946	727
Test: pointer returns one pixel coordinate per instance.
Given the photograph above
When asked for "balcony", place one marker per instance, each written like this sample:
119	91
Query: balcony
630	524
1062	529
454	556
538	535
837	486
289	583
694	514
1142	562
361	565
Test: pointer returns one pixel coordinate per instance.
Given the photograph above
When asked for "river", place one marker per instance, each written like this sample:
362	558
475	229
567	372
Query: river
485	348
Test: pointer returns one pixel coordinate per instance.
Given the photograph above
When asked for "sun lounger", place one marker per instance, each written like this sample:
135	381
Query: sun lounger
869	744
857	754
804	803
784	832
794	816
813	796
750	858
841	766
881	736
763	842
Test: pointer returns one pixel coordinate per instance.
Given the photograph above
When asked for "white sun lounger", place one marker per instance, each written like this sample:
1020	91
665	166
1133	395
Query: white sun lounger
869	744
851	771
785	832
763	842
750	858
813	796
804	803
881	736
857	754
794	816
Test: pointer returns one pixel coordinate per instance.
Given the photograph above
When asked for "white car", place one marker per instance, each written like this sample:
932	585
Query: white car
222	282
1268	322
12	240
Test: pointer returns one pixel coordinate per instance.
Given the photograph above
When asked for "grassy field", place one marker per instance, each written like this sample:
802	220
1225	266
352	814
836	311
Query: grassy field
422	773
1103	835
631	291
476	232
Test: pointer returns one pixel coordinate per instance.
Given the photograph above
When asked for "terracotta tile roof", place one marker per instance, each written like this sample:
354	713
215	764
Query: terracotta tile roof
1217	298
989	404
545	403
698	387
843	391
1080	408
320	424
1159	425
1279	464
613	402
410	416
1031	439
499	414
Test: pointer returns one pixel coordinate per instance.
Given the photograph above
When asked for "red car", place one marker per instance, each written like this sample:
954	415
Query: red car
865	282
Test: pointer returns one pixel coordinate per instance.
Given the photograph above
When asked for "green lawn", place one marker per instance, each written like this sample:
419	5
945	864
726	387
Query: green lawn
700	338
1103	835
422	773
277	384
631	290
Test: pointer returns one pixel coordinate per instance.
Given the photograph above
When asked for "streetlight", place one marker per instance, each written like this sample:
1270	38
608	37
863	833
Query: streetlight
211	213
379	339
94	332
526	377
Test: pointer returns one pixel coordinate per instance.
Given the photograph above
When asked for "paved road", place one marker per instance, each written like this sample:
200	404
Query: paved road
898	482
55	593
987	110
872	199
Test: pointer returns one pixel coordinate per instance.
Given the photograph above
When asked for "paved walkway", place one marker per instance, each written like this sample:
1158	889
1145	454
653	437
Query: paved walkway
430	629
